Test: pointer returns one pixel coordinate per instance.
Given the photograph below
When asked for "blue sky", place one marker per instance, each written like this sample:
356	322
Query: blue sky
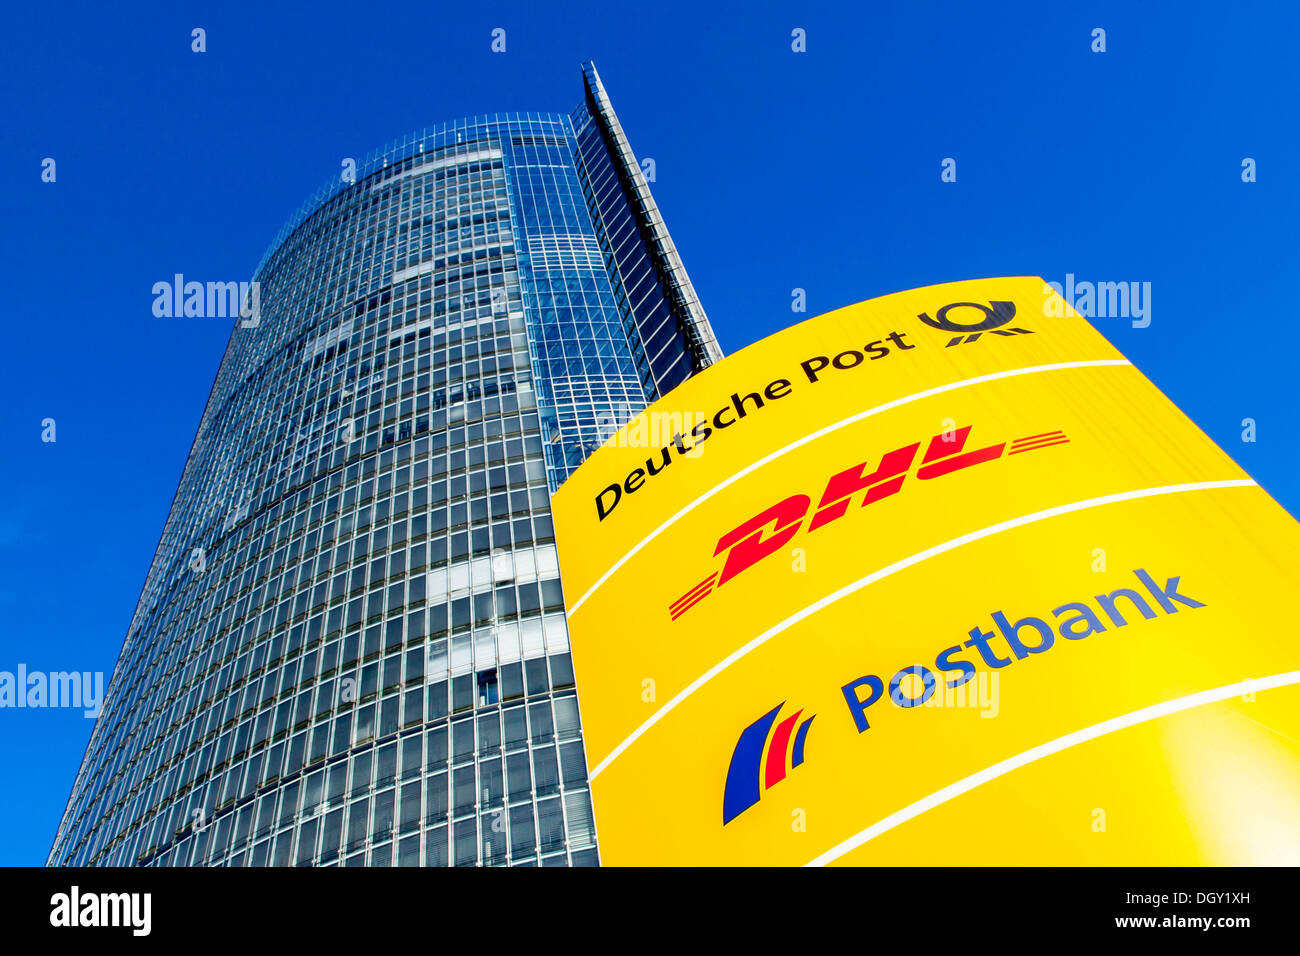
775	170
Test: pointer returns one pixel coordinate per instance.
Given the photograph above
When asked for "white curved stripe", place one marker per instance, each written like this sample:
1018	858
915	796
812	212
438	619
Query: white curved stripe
1055	746
885	572
813	436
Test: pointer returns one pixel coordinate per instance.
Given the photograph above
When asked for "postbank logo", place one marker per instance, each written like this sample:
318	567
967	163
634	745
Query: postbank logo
750	772
763	755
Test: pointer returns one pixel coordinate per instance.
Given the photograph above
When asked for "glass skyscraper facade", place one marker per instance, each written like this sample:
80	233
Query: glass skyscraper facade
351	646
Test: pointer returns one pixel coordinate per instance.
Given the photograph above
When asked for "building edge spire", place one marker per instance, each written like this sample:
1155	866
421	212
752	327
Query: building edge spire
693	321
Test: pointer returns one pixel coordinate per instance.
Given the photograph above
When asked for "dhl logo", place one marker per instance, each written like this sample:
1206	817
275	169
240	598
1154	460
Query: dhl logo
772	529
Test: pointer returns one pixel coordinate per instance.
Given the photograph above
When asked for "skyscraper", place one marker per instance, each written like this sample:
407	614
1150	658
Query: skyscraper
351	647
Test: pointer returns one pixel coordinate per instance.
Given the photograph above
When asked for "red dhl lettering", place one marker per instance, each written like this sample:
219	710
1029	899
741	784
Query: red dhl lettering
773	528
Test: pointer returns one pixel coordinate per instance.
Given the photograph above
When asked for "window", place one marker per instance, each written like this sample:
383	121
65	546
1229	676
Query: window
487	688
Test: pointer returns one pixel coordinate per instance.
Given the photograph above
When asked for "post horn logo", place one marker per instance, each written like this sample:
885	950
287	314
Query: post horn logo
996	314
749	773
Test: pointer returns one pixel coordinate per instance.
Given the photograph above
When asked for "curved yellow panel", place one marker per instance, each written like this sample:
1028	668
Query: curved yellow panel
938	578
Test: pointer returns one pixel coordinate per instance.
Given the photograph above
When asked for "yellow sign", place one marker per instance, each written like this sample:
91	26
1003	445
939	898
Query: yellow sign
939	578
